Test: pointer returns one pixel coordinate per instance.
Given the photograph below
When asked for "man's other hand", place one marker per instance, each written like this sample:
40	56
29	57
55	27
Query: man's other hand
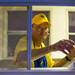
64	45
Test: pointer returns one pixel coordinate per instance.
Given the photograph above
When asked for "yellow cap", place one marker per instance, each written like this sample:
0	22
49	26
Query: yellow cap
39	19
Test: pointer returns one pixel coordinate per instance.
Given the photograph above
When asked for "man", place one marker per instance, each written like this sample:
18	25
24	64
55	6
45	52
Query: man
41	54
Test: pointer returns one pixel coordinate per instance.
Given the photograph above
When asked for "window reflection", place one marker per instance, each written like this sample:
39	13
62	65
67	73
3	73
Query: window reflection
13	24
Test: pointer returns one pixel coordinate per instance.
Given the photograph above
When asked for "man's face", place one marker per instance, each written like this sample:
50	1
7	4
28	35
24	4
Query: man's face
40	32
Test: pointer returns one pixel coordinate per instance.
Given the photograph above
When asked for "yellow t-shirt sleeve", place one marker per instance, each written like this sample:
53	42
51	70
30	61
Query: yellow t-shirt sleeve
20	46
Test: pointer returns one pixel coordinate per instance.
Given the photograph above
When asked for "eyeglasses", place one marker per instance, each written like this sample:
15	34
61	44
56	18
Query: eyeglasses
40	28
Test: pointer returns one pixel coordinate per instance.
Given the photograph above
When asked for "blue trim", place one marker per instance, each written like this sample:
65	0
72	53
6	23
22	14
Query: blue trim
52	1
37	72
51	4
14	0
37	3
29	37
13	4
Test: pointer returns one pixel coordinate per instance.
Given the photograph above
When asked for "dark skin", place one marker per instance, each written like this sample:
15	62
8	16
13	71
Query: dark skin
37	53
41	52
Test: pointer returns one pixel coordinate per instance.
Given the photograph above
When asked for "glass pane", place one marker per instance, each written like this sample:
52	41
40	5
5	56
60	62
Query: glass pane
12	42
72	37
17	38
13	24
17	20
71	21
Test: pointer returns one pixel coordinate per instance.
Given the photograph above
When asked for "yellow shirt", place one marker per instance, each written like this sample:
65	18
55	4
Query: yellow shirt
21	46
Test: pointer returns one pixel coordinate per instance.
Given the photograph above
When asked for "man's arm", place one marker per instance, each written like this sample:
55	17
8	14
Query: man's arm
37	53
59	46
21	57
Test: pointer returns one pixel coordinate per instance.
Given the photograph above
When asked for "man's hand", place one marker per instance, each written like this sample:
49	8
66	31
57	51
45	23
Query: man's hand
64	45
71	55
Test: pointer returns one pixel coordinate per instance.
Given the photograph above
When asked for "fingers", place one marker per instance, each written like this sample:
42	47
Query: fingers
60	46
66	45
73	46
69	42
69	46
66	51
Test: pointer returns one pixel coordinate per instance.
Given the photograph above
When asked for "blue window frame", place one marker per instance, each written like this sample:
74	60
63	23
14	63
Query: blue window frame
29	3
29	36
